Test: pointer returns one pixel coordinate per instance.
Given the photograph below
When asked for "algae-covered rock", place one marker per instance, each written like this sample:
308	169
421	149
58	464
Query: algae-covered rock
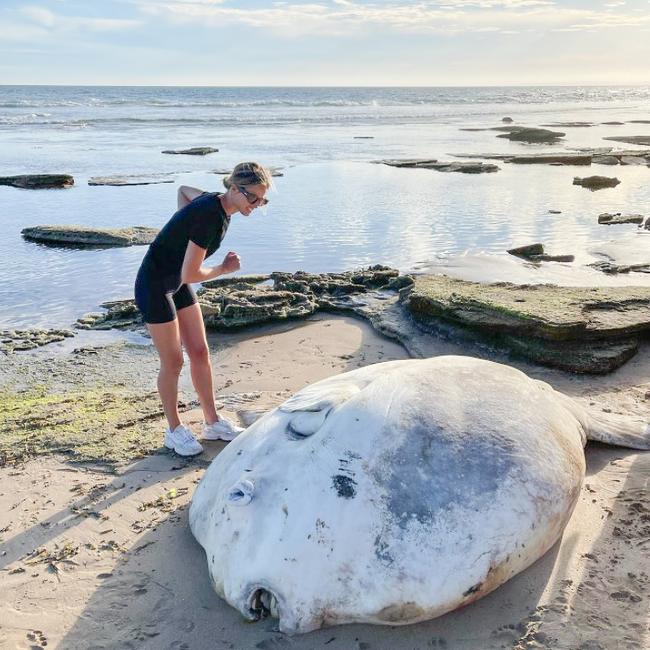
552	159
38	181
606	160
559	157
118	314
462	167
293	295
530	135
131	179
582	329
241	301
28	339
596	182
570	125
229	308
618	218
70	235
192	151
244	280
225	171
631	139
348	282
527	134
552	258
527	251
535	253
614	268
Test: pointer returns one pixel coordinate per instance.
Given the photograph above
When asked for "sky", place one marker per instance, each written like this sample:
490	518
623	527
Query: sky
325	42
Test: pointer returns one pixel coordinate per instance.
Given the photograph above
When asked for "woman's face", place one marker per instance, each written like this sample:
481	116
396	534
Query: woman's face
249	197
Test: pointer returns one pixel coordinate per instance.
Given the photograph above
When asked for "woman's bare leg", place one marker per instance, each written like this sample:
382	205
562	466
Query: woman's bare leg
166	338
192	332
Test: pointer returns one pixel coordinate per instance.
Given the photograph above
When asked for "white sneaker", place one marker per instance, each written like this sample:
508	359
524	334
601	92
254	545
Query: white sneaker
222	429
182	441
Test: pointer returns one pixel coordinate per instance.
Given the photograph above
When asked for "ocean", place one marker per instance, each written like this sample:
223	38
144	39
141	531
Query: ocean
333	208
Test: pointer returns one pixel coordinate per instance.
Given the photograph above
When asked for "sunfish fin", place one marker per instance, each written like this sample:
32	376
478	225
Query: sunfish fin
311	406
621	430
324	395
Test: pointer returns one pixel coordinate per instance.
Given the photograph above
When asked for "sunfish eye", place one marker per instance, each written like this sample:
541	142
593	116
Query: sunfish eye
241	494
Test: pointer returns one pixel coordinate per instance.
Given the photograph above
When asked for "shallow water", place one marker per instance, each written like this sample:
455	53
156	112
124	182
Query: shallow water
333	209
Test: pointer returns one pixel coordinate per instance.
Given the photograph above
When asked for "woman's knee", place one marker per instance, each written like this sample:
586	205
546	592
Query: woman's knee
172	364
198	353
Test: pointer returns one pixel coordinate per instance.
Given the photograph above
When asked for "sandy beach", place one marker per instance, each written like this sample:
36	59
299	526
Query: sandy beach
100	555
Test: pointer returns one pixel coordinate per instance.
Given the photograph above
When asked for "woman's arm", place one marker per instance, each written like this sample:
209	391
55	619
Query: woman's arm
192	271
187	194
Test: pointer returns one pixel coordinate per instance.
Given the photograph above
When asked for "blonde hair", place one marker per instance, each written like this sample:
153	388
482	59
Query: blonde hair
248	173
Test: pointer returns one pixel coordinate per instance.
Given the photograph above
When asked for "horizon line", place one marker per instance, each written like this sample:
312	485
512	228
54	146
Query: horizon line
495	85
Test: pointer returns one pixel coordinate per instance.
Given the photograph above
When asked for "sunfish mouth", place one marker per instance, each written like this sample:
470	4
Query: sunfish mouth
263	603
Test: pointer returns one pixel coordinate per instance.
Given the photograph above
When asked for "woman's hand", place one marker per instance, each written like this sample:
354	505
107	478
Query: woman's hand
231	263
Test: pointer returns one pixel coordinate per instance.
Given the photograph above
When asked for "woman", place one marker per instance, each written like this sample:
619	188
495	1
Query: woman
168	304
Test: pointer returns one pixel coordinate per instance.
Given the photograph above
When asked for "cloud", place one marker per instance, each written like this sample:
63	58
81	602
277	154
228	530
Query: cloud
45	18
445	17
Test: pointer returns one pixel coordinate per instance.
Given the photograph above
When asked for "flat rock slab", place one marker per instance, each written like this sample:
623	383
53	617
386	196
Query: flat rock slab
544	257
527	251
275	171
38	181
606	160
71	235
572	125
630	254
28	339
588	330
631	139
129	180
584	156
192	151
594	183
536	159
634	160
612	268
618	218
461	167
530	135
535	253
552	159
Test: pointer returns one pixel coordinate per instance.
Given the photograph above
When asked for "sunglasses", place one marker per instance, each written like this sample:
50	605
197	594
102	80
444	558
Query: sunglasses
252	199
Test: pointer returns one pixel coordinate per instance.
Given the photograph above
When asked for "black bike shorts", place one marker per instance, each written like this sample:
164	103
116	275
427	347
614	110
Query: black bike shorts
158	299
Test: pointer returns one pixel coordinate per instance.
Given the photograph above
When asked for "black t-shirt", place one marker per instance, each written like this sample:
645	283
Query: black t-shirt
202	221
